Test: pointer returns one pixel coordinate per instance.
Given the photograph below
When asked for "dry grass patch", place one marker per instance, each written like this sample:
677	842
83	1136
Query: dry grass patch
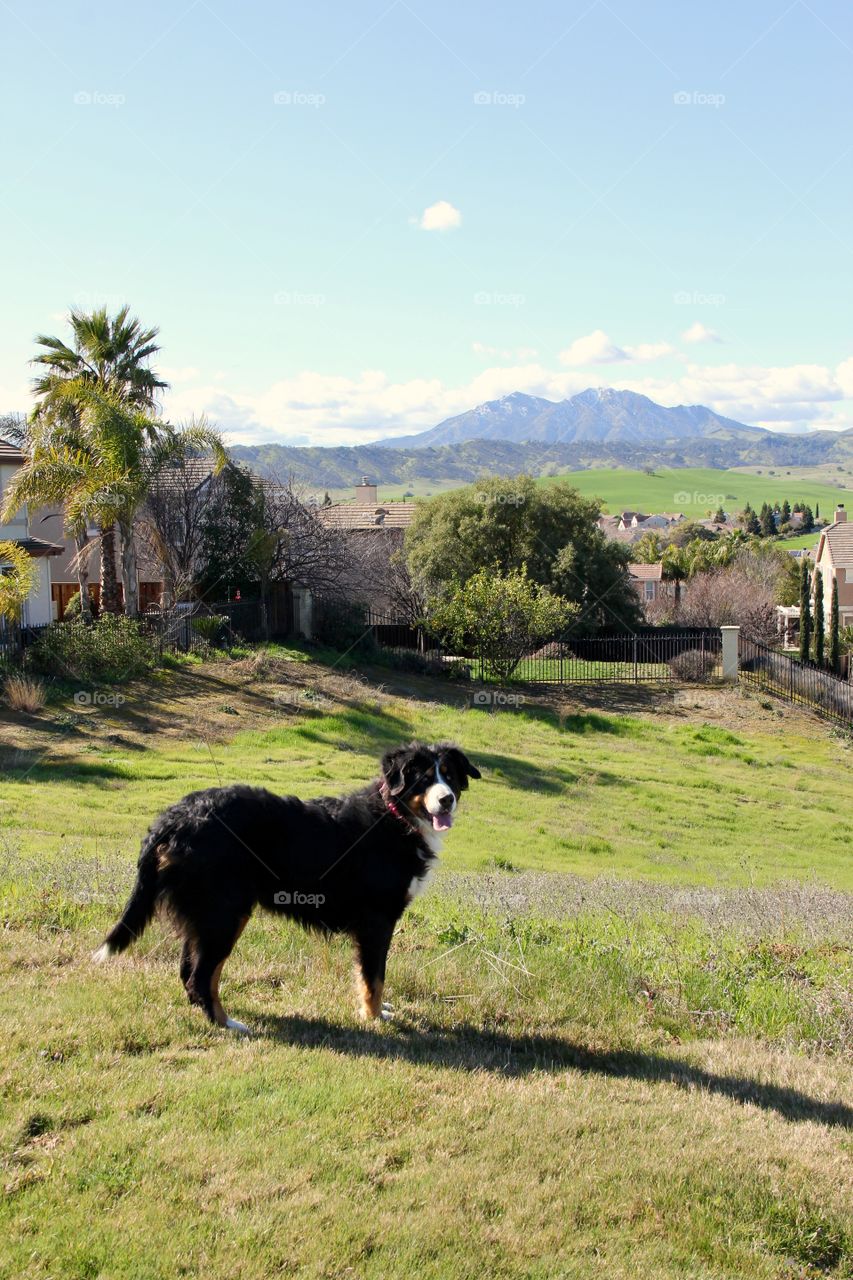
24	694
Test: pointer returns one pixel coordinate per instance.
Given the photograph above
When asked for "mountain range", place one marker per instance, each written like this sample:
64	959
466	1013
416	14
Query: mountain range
522	433
597	414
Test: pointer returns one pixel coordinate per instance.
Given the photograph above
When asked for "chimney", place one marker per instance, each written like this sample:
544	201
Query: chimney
840	514
366	492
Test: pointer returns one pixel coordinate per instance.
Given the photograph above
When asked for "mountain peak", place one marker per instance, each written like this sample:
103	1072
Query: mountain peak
602	414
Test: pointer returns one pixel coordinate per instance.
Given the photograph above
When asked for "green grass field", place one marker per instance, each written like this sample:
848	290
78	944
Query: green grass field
696	490
693	490
623	1015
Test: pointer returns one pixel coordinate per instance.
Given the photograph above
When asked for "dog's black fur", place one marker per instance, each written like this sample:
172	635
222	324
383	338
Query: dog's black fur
340	865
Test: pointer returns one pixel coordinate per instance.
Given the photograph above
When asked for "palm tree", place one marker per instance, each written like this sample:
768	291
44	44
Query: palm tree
110	353
676	567
127	450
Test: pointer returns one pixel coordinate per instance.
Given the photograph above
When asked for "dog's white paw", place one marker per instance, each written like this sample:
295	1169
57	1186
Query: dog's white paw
233	1025
386	1013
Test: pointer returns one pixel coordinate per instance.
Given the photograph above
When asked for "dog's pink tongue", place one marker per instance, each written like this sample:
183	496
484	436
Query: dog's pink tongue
442	821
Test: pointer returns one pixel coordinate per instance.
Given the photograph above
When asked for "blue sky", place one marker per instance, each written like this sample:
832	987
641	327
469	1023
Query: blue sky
353	219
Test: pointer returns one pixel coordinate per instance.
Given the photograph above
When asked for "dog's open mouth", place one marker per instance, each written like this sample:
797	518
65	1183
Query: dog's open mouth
442	821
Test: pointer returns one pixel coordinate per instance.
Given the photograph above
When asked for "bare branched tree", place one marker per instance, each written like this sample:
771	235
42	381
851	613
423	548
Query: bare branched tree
171	524
380	575
303	548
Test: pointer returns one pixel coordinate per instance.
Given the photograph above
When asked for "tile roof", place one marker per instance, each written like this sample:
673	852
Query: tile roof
370	515
646	572
839	540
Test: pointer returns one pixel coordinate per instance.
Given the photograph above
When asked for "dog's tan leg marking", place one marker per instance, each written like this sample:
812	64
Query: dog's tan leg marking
219	1013
371	998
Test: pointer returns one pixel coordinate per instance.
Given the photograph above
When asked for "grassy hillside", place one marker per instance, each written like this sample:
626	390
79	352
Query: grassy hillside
695	490
622	1031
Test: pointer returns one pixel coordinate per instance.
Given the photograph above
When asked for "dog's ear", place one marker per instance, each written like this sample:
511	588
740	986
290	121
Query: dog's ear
394	769
462	765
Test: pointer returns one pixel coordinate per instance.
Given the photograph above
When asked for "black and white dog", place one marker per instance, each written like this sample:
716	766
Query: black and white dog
348	865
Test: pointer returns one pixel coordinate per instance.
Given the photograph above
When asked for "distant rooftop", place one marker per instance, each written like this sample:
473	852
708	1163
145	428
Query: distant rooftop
370	515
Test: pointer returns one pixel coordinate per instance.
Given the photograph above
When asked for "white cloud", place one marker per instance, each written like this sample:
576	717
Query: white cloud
597	348
699	332
325	409
440	216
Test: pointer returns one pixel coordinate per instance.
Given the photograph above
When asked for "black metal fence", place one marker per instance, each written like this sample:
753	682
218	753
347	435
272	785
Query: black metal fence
649	656
642	658
787	677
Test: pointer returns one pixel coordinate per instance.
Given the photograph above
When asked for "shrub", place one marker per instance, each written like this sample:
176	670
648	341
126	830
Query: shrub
501	617
693	666
110	650
209	626
23	693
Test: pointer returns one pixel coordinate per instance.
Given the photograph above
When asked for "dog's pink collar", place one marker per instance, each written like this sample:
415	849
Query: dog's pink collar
392	808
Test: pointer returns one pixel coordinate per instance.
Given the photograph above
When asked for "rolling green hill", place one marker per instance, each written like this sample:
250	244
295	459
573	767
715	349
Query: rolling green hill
696	490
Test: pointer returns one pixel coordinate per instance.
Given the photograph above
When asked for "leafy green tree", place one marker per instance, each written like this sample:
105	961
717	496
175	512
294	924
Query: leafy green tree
805	613
513	523
229	539
834	630
501	616
785	512
749	521
819	619
647	549
110	354
719	516
808	520
767	521
17	582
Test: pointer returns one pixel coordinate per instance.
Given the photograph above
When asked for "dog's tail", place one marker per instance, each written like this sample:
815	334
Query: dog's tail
140	905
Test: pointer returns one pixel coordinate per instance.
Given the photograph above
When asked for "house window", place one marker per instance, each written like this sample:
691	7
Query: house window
650	591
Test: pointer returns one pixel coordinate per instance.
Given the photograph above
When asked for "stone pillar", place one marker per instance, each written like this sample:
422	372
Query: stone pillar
303	612
730	652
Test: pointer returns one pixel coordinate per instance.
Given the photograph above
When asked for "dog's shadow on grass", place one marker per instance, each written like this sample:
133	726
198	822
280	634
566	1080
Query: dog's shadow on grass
470	1048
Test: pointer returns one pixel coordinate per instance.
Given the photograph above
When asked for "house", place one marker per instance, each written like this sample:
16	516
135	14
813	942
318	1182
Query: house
834	561
629	526
367	513
179	489
648	581
37	608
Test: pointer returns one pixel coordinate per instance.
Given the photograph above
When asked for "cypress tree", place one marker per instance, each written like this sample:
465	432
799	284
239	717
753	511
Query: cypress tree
819	620
834	645
817	511
805	614
786	511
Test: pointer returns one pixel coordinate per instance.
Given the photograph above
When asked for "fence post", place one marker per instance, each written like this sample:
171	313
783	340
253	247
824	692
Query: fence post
731	642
